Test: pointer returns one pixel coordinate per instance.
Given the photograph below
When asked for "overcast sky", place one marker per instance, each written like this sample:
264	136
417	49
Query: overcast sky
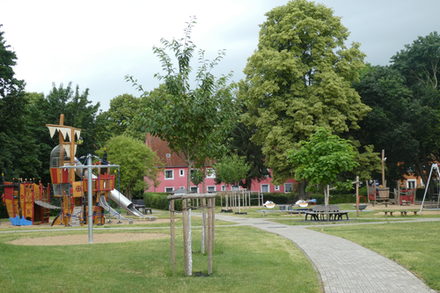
94	44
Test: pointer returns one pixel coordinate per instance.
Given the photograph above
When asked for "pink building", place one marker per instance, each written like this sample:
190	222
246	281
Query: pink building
173	174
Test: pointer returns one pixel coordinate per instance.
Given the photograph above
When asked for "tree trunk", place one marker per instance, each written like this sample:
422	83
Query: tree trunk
326	200
302	189
326	195
188	176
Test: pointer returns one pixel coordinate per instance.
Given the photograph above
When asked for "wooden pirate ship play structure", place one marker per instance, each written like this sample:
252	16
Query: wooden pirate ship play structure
28	203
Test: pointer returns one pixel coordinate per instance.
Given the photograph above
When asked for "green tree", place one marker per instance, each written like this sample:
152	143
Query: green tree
231	169
300	78
419	64
241	143
78	111
322	160
193	116
17	156
389	125
405	99
120	117
40	110
136	161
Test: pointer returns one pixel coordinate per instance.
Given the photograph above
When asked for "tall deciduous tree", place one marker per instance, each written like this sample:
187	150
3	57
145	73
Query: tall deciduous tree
17	145
120	117
322	159
241	143
193	116
300	78
231	169
136	161
405	98
389	125
79	112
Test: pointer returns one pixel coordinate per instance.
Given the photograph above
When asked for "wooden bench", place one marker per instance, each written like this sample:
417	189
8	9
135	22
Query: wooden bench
402	213
139	204
319	213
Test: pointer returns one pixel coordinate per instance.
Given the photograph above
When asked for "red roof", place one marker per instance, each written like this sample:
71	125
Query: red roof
163	151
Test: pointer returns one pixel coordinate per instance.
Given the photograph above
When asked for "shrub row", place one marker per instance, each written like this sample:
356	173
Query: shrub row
280	197
158	200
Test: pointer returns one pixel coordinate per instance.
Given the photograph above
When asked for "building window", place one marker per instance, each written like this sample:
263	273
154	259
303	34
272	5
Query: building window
181	172
411	183
210	173
288	187
169	174
223	188
194	189
211	188
277	188
264	187
169	189
235	187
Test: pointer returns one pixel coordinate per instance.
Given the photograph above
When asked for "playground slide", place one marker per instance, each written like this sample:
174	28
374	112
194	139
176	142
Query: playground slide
124	203
116	196
104	204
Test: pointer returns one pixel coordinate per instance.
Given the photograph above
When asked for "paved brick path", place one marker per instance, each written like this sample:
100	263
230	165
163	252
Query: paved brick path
344	266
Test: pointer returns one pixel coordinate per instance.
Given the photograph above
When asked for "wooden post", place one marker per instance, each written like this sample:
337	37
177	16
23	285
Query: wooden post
357	196
172	236
398	192
384	183
187	250
211	218
209	237
204	238
239	200
213	224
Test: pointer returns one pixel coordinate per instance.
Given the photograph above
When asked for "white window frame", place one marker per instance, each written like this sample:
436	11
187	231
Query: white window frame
165	174
210	173
212	186
276	188
285	187
169	187
265	184
191	188
411	180
181	172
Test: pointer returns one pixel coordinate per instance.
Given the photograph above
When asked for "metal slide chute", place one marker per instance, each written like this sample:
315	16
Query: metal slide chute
104	204
117	197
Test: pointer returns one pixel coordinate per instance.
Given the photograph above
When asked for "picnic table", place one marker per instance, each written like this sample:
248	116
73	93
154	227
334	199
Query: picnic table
326	213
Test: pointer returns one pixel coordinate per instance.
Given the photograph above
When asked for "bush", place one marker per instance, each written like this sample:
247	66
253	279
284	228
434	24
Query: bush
280	198
158	200
335	198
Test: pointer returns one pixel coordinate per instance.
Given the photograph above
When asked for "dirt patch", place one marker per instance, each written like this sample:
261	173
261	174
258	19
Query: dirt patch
83	239
114	223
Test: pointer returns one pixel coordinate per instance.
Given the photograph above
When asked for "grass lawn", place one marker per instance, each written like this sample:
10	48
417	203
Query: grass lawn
416	246
245	260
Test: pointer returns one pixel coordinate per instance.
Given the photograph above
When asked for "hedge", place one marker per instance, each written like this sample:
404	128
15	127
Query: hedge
158	200
280	197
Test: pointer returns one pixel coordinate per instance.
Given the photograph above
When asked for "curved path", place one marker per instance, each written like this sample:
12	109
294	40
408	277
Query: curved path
344	266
